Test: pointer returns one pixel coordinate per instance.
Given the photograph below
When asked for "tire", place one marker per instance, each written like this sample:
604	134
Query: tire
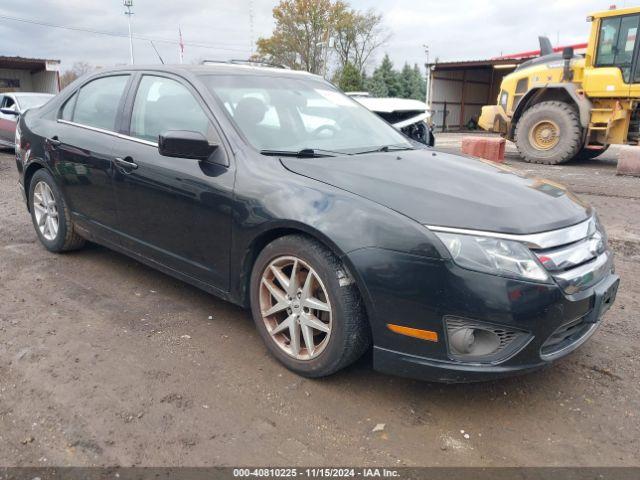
558	148
590	154
349	336
65	238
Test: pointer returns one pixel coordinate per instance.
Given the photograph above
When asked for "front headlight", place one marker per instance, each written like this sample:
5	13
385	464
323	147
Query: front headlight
493	255
504	99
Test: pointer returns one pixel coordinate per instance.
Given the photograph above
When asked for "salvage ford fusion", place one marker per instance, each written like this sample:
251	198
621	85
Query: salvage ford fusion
275	191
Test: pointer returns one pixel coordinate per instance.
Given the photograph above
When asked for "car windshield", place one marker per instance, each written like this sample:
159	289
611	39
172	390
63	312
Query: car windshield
286	114
32	101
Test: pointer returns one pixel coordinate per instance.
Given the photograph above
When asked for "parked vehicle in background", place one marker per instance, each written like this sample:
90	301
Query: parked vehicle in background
11	106
411	117
563	106
272	189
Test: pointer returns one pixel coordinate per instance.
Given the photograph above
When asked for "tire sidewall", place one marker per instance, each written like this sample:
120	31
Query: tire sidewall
331	356
565	150
57	244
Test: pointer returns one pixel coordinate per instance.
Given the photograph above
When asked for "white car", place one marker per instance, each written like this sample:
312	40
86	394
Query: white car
407	115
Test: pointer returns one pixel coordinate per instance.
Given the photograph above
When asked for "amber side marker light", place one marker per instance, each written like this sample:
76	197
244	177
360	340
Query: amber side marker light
414	332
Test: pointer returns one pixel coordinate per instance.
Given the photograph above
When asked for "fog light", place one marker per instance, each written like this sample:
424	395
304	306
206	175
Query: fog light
473	341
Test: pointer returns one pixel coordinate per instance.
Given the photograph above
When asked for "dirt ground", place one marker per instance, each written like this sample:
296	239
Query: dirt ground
104	361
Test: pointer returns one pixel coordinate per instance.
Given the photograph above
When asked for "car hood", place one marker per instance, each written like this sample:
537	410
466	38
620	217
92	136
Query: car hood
436	188
389	105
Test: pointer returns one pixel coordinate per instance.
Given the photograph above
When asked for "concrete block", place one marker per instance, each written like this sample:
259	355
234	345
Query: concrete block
489	148
629	161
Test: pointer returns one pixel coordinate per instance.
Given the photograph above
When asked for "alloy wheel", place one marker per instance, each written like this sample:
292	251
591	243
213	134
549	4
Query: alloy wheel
46	211
295	307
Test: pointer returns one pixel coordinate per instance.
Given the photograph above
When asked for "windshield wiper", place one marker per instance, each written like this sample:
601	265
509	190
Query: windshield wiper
387	148
303	153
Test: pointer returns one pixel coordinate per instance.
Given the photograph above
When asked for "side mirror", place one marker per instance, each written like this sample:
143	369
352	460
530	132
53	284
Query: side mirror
567	53
185	144
9	111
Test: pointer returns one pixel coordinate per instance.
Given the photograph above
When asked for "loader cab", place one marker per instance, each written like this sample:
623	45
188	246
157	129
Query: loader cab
611	67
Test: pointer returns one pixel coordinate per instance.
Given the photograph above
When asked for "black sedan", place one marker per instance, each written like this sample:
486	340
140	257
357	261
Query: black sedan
275	191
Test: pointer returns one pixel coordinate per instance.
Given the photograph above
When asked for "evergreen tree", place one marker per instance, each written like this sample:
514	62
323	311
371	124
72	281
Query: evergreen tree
413	85
420	86
376	85
407	81
390	77
350	79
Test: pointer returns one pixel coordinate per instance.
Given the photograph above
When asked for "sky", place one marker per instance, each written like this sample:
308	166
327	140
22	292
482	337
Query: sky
453	29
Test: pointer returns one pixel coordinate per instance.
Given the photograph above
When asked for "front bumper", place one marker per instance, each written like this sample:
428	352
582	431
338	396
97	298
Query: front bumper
419	293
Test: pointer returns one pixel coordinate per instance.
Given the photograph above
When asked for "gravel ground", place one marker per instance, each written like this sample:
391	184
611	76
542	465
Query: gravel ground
104	361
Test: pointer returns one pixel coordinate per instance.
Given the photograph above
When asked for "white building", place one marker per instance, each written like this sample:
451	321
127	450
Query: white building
18	74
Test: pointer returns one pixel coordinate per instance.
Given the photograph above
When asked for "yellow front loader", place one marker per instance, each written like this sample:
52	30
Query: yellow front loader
560	107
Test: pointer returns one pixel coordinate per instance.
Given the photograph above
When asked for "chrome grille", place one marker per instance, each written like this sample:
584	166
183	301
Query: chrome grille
581	263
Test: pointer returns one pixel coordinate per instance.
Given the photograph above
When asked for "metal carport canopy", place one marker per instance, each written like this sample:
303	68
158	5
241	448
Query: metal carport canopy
459	89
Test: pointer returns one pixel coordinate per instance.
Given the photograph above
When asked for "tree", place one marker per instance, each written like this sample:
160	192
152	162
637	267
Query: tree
350	79
376	85
412	83
389	77
307	31
301	35
420	84
77	70
357	36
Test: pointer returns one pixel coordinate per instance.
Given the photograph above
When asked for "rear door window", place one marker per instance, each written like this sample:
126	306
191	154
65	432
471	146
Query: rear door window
98	101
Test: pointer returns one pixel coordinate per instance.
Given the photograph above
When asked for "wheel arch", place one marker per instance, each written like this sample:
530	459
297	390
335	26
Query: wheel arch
562	92
273	232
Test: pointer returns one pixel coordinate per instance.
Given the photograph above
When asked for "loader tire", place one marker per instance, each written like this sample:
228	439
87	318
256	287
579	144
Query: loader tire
549	133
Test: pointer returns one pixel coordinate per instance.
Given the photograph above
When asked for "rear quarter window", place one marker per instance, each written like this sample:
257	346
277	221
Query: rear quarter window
66	113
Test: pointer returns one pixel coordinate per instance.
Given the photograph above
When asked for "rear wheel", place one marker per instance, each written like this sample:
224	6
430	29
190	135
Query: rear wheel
310	319
50	215
549	133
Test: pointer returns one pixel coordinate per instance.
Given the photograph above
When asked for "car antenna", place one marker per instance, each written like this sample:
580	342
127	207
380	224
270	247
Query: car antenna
156	50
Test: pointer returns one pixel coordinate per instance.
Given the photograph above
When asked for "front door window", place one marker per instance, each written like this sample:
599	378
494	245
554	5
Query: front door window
163	104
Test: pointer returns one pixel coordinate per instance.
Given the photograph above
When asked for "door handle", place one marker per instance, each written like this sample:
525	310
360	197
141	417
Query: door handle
127	164
54	141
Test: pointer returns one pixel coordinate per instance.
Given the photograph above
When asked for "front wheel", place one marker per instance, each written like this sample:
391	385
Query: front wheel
549	133
308	313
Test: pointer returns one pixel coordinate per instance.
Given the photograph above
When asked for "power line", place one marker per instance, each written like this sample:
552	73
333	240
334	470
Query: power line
123	35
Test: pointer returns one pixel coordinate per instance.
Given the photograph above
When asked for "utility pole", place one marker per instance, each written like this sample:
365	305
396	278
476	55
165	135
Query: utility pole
428	82
128	4
251	27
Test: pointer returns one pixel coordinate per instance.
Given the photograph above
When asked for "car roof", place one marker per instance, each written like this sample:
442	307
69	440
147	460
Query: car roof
214	68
